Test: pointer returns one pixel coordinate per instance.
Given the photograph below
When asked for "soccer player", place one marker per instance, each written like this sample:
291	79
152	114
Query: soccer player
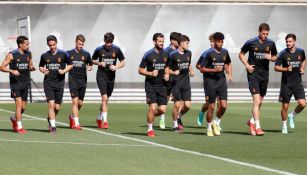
54	64
153	67
18	63
82	62
172	47
200	117
261	51
106	57
212	65
291	62
181	70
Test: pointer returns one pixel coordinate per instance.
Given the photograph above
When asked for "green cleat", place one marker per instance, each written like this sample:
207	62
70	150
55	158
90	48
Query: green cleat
291	120
284	131
162	123
200	118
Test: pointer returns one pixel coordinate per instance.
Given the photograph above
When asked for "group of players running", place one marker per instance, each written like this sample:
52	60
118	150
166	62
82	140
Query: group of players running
167	71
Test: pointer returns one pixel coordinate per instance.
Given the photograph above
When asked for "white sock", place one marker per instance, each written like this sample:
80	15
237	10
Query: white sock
284	124
52	123
252	120
293	113
149	126
105	116
257	122
217	121
76	119
175	124
19	125
209	126
99	117
162	117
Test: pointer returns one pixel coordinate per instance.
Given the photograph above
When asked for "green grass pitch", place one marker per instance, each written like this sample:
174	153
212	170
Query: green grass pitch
125	149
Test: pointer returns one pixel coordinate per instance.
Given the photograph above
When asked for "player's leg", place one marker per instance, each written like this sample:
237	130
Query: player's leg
299	95
168	93
222	95
209	116
74	93
284	117
185	104
254	87
18	113
102	84
152	107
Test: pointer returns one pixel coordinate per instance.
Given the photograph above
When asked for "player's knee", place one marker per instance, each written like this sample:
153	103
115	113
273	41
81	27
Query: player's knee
188	105
162	110
152	109
302	104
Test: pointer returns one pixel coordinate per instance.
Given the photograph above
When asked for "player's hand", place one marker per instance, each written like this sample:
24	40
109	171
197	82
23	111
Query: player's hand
250	68
102	64
226	69
218	69
15	72
289	68
61	71
229	78
268	56
191	73
302	70
32	68
112	67
154	73
89	68
176	72
166	77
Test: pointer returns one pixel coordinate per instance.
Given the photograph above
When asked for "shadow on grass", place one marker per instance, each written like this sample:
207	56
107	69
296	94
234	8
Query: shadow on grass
134	133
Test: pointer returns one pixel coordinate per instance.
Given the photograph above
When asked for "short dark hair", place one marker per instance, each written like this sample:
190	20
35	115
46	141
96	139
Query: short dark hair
218	36
51	38
108	37
174	36
291	35
156	36
21	39
80	37
264	27
183	38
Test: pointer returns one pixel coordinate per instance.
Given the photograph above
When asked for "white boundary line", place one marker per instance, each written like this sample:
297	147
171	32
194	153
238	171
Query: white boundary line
73	143
172	148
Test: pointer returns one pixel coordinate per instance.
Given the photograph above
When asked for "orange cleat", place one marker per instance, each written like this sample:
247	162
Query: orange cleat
78	127
151	133
252	128
21	131
71	122
259	132
99	123
14	124
105	125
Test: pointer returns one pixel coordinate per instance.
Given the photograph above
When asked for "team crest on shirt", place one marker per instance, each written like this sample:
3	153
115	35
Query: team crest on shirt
102	54
59	60
299	57
178	60
256	49
82	58
288	59
267	49
165	59
113	54
214	59
18	60
48	61
154	60
72	57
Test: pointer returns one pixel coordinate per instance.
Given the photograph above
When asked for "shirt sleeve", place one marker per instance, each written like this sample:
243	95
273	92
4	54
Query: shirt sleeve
120	55
67	59
274	50
42	62
303	56
228	60
245	47
278	61
143	63
95	55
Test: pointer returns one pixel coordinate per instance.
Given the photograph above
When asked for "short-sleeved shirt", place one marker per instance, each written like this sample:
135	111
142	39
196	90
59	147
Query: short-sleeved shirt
285	59
20	63
78	74
109	56
181	61
155	61
211	58
256	56
53	62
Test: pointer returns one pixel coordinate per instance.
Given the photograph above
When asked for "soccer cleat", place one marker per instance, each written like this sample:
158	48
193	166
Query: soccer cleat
252	128
200	118
78	127
52	130
209	133
259	132
180	125
71	122
151	133
291	120
216	130
162	123
219	127
14	124
105	125
177	129
284	131
99	123
21	131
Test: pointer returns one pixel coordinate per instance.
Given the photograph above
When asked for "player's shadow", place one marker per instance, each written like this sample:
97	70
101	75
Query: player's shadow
236	132
38	130
134	133
63	127
195	127
7	130
193	133
272	130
